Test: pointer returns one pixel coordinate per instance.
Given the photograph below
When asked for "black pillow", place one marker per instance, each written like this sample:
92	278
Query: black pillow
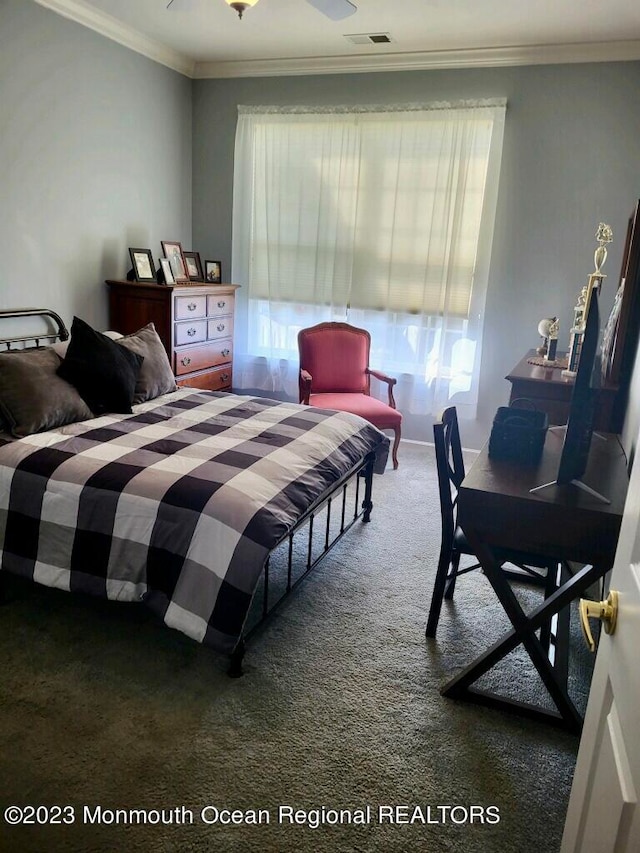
104	373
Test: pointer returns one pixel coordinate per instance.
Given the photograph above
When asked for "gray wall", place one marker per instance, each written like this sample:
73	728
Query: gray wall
571	159
95	156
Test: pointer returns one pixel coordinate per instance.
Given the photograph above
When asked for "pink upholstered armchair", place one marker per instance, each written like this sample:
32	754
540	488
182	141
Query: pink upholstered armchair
335	374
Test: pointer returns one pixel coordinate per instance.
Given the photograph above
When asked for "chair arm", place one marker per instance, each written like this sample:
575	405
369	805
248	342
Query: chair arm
384	378
304	384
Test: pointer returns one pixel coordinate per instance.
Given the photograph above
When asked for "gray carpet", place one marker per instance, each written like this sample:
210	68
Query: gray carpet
339	708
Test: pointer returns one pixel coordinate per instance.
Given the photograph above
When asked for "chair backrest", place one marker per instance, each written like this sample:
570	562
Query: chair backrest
337	356
450	465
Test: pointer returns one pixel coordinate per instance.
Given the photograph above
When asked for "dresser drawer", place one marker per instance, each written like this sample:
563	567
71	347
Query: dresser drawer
222	327
191	333
209	380
189	359
218	305
190	306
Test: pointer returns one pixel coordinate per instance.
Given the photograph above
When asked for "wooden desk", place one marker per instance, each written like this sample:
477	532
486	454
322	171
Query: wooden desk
495	508
551	393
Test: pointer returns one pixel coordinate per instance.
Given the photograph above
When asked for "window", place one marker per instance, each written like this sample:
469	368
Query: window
379	218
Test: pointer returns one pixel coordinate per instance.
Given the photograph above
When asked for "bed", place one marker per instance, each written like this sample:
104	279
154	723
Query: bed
180	500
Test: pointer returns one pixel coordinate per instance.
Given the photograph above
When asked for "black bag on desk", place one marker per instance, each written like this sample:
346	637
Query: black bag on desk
518	434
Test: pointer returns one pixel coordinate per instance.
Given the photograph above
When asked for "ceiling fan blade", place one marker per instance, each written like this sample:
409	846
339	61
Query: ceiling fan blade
182	5
334	9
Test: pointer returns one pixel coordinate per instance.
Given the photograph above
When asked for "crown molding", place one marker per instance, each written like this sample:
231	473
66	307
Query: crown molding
492	57
111	28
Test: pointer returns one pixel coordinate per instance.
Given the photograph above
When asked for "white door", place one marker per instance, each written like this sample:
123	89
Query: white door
603	814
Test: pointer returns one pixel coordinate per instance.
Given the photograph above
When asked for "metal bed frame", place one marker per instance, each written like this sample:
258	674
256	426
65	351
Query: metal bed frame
338	493
350	507
61	332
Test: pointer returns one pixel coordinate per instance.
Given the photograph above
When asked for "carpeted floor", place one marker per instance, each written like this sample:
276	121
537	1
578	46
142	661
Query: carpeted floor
340	708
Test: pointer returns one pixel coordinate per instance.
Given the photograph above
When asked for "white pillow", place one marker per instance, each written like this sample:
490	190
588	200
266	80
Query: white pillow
61	347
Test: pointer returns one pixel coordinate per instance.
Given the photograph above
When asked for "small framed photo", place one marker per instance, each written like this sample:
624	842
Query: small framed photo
142	263
167	274
213	271
173	251
194	265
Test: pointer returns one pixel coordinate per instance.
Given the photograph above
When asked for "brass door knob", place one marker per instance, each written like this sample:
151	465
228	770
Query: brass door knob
605	611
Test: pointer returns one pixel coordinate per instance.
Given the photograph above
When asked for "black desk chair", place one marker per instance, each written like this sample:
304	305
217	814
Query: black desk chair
531	568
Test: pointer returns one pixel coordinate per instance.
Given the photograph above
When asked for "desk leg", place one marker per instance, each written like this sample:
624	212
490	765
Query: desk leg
523	631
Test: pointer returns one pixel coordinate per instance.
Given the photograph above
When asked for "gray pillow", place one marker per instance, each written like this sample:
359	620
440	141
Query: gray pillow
33	397
155	377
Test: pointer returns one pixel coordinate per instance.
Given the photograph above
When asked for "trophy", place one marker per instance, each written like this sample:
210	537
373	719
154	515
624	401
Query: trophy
548	331
604	236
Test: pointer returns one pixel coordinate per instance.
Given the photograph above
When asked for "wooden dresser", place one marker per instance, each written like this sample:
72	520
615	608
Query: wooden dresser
194	322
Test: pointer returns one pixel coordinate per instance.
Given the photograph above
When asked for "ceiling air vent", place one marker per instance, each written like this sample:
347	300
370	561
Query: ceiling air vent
369	38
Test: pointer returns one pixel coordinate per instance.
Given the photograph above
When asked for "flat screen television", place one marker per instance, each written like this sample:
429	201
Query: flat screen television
577	439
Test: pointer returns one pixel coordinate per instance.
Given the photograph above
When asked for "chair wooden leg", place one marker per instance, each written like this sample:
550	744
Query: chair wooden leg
453	574
396	443
438	591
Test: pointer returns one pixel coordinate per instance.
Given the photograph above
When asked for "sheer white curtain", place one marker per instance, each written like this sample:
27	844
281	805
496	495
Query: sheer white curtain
379	217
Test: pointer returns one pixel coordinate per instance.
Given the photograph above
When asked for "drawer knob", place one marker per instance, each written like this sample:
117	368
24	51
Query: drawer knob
221	304
224	377
221	327
225	352
186	361
191	332
192	306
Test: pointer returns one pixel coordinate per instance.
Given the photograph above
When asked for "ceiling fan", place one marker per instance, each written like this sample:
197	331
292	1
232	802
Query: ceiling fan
333	9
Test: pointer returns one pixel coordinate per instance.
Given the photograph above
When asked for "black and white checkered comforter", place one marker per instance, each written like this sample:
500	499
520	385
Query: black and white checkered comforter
177	505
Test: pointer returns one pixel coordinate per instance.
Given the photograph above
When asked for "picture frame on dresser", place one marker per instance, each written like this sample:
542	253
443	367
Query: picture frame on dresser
213	272
194	265
142	264
173	251
167	273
